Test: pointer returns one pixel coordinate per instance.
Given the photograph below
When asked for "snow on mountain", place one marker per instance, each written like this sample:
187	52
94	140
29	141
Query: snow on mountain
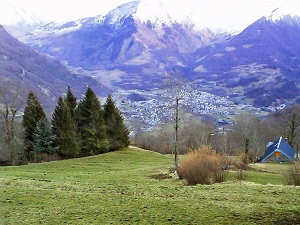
287	11
141	41
230	16
121	12
17	20
145	11
153	11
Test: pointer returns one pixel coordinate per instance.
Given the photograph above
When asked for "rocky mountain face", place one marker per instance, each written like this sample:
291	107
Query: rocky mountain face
260	65
29	70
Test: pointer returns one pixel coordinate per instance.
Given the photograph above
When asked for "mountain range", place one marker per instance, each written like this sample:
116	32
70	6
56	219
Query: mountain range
117	43
258	65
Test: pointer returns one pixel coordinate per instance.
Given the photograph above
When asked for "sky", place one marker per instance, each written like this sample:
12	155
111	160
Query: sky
212	13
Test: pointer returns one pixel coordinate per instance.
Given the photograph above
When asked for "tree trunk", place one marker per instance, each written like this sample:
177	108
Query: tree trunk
247	143
176	134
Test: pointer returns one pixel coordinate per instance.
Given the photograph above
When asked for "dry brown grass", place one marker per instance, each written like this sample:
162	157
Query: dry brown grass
292	177
204	166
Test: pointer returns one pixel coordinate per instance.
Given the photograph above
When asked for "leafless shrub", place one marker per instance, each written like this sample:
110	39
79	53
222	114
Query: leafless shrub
240	175
292	177
204	166
243	158
239	165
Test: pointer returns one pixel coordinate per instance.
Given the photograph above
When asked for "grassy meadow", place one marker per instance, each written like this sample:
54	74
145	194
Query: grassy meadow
133	187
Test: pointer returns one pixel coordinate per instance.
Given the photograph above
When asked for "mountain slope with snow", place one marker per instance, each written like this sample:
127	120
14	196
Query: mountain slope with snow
18	21
289	12
259	65
120	42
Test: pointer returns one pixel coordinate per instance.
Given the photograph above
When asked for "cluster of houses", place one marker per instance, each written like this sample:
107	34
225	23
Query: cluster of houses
157	107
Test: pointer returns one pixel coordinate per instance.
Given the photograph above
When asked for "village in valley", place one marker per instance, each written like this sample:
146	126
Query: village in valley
157	107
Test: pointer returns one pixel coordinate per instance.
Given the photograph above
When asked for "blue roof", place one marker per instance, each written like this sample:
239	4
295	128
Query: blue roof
280	146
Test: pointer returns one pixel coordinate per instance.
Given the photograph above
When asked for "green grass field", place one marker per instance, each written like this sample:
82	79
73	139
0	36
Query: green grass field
121	188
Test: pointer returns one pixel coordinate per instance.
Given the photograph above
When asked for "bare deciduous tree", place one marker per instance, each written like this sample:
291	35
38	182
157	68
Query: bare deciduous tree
11	101
176	84
245	133
288	122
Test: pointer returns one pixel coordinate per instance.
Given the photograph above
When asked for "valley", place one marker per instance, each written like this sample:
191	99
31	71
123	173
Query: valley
156	107
151	99
125	54
257	66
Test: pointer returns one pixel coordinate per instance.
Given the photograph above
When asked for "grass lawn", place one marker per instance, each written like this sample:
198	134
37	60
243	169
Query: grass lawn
119	188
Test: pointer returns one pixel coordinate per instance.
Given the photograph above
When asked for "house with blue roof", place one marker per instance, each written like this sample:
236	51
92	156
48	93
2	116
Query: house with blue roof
279	151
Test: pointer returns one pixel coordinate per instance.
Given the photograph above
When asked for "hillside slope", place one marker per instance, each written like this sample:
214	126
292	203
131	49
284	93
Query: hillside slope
47	77
119	188
261	63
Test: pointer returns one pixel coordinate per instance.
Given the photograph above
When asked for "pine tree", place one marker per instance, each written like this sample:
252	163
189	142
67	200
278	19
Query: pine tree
43	138
116	130
33	113
91	125
65	128
71	101
57	117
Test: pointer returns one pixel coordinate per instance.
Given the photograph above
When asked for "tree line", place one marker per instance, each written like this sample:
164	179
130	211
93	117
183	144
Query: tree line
75	129
84	128
247	136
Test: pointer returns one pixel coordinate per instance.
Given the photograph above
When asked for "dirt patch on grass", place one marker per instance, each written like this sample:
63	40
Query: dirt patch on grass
161	176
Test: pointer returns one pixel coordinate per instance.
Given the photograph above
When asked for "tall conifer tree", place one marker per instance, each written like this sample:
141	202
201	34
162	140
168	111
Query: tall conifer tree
33	113
71	101
65	128
117	132
91	125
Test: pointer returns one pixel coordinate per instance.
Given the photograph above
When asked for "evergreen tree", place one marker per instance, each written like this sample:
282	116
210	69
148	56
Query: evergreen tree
116	130
91	125
71	101
33	113
65	129
57	117
43	138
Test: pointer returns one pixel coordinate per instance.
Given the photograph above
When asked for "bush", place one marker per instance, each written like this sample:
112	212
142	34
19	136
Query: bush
240	175
292	177
204	166
244	158
238	165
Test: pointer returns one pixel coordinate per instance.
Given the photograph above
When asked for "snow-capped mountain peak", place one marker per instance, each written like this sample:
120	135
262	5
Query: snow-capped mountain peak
287	11
143	10
121	12
153	11
17	20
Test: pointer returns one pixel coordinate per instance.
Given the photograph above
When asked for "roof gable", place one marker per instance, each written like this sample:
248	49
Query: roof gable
280	146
